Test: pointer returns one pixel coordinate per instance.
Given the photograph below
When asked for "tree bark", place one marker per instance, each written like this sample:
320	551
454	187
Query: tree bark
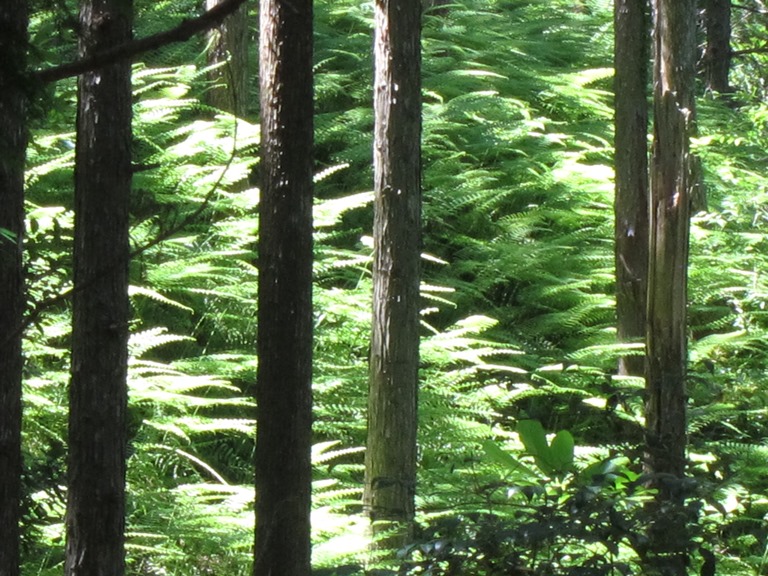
671	191
284	380
13	51
390	462
98	391
631	57
229	43
717	53
129	50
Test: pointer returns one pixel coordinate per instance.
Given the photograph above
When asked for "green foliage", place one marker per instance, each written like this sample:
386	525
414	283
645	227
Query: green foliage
555	457
589	521
528	442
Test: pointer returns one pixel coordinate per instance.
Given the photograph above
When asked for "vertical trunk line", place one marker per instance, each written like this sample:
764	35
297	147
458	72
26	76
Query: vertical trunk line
284	378
13	110
100	306
390	462
671	190
631	49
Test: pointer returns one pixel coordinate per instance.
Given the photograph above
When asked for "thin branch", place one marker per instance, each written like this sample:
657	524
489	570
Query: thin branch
762	50
44	305
750	9
180	33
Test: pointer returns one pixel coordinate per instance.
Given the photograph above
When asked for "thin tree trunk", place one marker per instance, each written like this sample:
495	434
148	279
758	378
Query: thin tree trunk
671	190
229	43
631	57
98	392
13	50
284	380
390	462
717	54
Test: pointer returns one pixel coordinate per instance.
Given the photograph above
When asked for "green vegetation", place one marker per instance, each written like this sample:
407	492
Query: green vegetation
530	459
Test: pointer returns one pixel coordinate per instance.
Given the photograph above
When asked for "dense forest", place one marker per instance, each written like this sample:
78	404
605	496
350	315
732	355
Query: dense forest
470	287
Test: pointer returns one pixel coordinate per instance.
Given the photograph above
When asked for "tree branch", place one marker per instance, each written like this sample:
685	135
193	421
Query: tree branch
762	50
180	33
749	9
37	311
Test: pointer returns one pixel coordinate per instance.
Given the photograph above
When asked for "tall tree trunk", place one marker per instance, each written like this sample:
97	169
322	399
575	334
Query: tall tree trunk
671	191
284	381
98	393
13	50
229	43
717	53
631	57
390	462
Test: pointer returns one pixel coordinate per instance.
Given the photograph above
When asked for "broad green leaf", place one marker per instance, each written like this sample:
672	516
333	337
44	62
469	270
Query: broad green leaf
561	451
504	458
533	437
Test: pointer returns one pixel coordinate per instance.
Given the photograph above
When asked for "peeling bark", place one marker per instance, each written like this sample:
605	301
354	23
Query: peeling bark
672	184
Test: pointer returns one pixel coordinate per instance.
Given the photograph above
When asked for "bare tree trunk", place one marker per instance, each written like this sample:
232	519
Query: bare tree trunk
284	381
13	51
390	462
671	191
631	56
717	54
229	43
98	390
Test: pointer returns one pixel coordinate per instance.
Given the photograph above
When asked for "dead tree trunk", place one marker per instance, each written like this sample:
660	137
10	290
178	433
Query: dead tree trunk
672	183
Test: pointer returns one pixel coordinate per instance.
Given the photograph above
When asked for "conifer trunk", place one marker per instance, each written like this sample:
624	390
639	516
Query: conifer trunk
229	43
284	380
98	390
631	43
717	54
390	462
13	50
671	192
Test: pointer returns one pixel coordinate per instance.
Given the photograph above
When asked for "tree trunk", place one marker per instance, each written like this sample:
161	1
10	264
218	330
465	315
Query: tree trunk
671	191
390	462
98	393
13	50
284	381
717	54
229	43
631	43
